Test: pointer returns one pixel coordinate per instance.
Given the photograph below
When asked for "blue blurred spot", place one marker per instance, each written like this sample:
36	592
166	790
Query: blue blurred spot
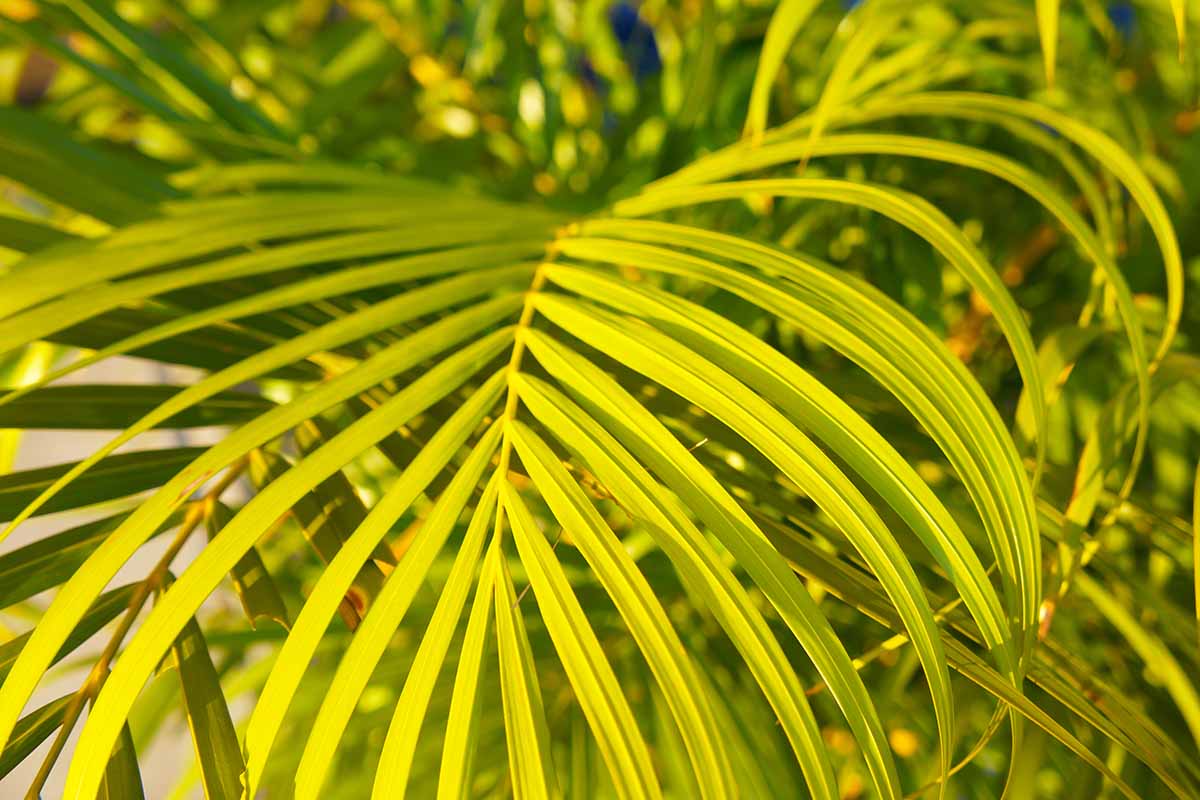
1050	129
1123	18
850	5
636	39
624	20
587	74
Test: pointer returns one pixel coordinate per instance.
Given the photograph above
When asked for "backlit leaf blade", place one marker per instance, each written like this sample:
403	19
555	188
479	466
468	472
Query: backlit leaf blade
1179	11
693	555
785	25
795	455
185	595
1149	649
318	609
530	762
462	720
832	420
1097	144
815	300
101	612
322	535
1047	17
368	645
721	166
875	22
709	501
595	684
348	328
857	591
28	235
49	561
395	760
909	210
47	158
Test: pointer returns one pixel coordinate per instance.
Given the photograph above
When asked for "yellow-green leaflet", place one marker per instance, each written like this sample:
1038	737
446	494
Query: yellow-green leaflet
319	608
86	584
1047	18
1100	146
803	398
579	650
1057	352
122	777
395	761
90	579
33	729
196	95
911	59
529	758
197	581
1179	11
857	320
966	663
462	723
796	456
18	370
637	604
726	161
39	279
204	227
56	315
404	307
682	401
1125	725
699	563
860	590
723	166
785	24
372	637
253	583
878	19
1106	440
1149	649
913	212
214	178
701	492
479	282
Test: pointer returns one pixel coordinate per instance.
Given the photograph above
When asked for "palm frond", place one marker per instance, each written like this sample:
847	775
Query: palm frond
755	464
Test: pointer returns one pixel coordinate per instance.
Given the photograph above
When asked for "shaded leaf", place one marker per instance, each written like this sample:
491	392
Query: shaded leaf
215	741
253	583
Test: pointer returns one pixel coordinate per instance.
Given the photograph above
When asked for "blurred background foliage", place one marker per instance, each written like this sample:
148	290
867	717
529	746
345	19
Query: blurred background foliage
576	105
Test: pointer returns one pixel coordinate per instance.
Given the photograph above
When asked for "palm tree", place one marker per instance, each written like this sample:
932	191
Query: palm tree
684	400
